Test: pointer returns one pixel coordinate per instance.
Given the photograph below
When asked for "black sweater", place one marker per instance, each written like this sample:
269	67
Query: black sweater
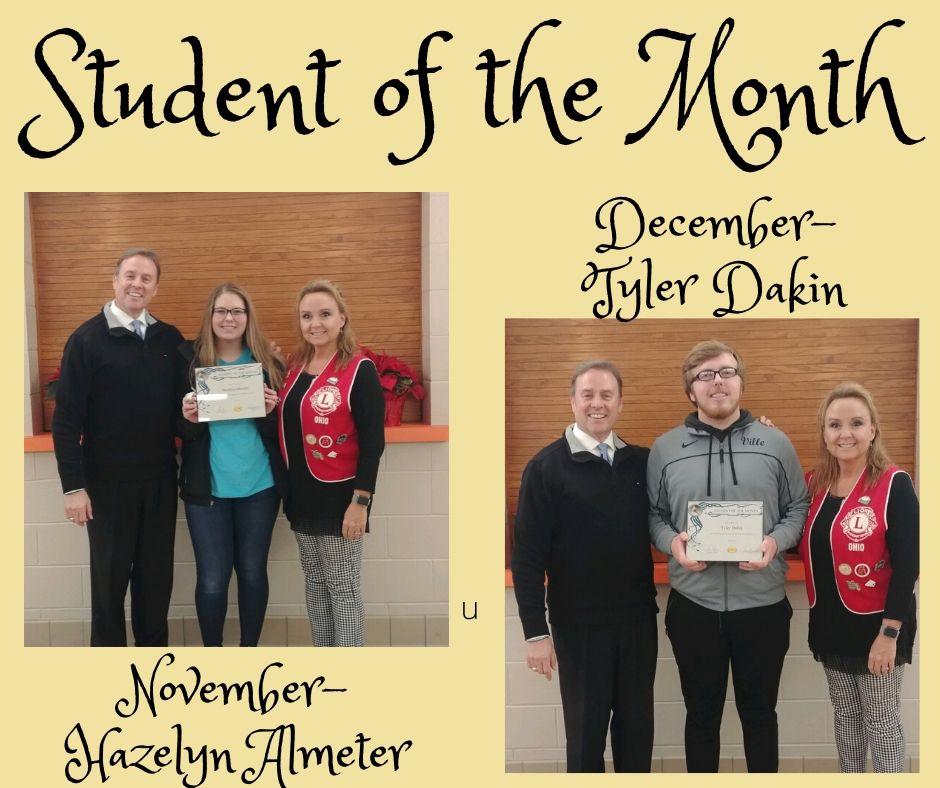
585	524
116	404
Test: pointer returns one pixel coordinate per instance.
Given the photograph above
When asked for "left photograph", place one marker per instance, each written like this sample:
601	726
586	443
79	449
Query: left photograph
236	419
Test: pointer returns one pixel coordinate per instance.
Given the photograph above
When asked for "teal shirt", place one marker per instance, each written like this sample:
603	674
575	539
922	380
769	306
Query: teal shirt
238	461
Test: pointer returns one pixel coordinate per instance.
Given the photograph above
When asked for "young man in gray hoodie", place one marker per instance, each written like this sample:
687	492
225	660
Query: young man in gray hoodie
722	614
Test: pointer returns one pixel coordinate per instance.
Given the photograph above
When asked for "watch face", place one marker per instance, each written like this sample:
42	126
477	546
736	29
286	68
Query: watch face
890	632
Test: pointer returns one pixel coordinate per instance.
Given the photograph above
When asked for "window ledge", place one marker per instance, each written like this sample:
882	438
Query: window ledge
406	433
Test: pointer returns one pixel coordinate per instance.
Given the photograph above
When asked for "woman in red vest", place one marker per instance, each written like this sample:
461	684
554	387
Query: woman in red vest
331	425
860	552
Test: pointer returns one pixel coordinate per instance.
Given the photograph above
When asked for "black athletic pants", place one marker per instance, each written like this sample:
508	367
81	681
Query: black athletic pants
754	643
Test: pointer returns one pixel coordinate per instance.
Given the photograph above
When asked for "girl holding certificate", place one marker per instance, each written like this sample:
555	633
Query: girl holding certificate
232	477
860	552
332	436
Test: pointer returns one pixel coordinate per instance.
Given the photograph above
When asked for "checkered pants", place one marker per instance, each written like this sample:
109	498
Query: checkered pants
331	567
868	713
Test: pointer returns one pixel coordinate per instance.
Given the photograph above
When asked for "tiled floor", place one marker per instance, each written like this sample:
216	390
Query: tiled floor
278	631
727	765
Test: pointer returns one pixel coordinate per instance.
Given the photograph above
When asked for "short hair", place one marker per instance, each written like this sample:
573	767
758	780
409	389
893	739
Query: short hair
702	352
827	466
607	366
137	252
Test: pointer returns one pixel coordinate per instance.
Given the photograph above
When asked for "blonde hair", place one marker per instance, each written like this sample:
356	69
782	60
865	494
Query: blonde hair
346	344
204	345
702	352
827	467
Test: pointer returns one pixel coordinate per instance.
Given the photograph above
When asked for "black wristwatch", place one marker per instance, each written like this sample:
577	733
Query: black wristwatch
890	632
362	500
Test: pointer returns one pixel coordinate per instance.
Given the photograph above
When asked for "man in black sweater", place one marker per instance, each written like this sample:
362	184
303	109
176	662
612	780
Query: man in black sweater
582	520
113	429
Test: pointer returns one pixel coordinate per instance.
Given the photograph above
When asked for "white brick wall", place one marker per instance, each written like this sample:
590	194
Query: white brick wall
435	307
535	733
404	566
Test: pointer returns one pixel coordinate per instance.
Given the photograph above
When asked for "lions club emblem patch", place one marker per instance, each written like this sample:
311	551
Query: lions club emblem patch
859	523
326	399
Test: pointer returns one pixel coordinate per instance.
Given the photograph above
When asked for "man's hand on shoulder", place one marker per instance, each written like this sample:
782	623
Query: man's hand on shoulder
678	552
540	657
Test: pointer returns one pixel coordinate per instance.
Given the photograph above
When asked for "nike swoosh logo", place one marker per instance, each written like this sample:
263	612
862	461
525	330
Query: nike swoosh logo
686	445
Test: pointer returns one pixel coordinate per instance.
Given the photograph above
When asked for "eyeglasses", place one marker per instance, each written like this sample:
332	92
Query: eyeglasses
708	375
221	312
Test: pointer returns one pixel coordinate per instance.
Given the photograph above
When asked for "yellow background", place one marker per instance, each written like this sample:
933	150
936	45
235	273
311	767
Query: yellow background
522	230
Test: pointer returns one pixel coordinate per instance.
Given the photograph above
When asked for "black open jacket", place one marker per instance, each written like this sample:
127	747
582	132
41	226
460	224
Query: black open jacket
195	479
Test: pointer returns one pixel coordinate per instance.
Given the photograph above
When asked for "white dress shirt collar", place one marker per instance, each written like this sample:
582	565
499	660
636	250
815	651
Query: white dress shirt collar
590	444
125	319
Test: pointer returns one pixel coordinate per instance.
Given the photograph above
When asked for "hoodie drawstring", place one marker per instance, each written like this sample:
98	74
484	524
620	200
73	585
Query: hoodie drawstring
709	485
734	476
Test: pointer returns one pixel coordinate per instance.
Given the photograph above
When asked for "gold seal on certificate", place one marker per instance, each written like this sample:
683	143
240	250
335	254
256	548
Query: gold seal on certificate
235	391
725	530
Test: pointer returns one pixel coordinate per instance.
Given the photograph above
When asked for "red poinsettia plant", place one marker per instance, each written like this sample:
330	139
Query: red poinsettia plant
52	384
396	377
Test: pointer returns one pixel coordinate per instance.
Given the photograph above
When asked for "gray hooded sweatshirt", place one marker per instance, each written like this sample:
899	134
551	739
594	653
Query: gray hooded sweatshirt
746	462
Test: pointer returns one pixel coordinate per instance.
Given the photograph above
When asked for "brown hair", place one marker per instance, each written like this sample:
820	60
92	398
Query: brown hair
827	466
702	352
346	344
204	344
136	252
603	364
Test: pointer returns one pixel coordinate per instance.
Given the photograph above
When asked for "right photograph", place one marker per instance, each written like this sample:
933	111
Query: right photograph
712	546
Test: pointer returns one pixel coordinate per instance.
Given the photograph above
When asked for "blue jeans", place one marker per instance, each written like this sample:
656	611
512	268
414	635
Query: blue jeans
232	533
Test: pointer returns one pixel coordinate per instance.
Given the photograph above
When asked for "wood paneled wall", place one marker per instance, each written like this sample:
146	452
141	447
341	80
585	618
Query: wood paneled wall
790	366
271	244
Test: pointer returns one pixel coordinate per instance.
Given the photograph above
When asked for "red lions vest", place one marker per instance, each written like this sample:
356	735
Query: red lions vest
329	432
860	558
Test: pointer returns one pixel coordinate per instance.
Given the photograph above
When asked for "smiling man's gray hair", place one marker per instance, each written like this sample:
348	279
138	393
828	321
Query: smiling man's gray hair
607	366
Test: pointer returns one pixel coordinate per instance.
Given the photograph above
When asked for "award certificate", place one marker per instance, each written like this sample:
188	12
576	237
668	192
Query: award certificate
725	530
231	392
